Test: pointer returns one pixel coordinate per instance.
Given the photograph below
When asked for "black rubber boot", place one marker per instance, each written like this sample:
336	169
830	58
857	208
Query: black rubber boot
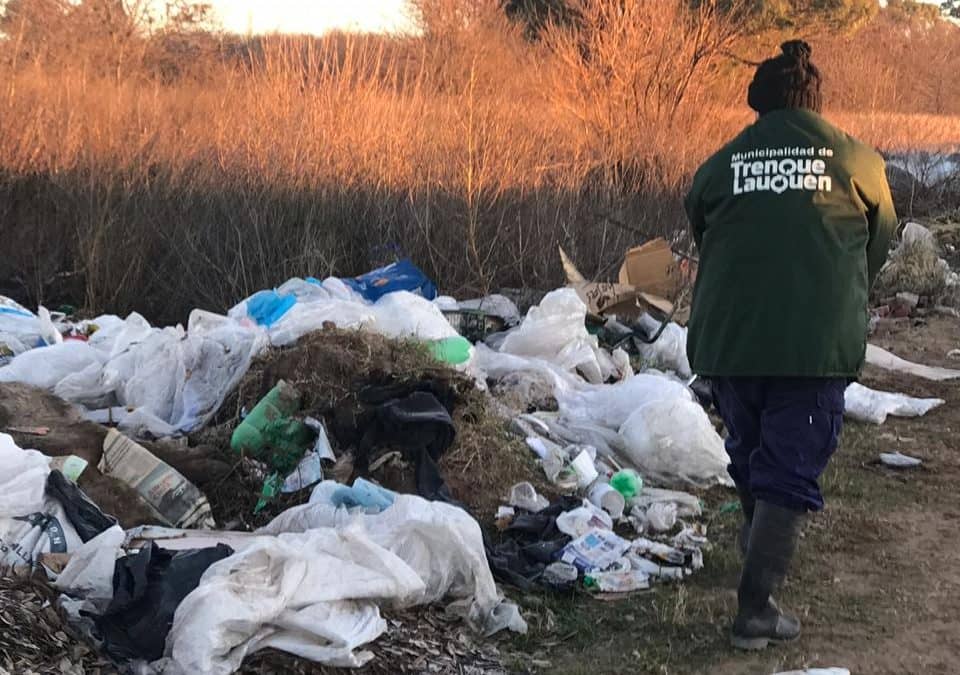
747	505
773	540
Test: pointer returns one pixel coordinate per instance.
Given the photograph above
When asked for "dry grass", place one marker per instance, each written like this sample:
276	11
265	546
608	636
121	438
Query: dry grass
471	149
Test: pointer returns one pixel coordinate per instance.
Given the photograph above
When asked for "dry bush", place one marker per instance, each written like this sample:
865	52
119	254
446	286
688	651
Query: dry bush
200	169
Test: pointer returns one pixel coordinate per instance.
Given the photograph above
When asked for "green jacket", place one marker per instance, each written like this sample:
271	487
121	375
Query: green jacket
793	220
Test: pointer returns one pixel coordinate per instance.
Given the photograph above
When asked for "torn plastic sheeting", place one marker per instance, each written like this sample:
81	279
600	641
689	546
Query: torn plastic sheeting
89	573
442	543
869	405
313	594
881	358
311	315
46	367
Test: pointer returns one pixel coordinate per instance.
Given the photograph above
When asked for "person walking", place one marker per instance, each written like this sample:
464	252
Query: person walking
792	220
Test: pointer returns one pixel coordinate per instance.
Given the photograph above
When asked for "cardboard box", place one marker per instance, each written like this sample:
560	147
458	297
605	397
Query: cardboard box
652	268
621	299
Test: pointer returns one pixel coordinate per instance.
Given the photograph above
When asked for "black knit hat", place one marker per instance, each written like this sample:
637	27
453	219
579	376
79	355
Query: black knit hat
788	80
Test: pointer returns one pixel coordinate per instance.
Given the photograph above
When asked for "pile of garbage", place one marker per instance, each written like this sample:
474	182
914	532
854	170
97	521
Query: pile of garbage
916	278
284	476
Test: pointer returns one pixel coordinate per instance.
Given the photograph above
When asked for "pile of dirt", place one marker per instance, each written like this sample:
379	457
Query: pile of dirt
34	638
330	369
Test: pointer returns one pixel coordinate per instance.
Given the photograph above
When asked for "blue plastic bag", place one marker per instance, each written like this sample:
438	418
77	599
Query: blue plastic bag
268	307
402	275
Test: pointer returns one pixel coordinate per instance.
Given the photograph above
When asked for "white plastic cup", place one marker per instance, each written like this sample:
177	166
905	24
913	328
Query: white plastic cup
608	499
585	468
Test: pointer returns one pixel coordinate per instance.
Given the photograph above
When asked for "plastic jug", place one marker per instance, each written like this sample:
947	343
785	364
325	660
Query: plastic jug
452	350
269	433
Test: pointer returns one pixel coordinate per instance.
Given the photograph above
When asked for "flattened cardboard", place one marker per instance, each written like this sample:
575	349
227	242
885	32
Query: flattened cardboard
652	268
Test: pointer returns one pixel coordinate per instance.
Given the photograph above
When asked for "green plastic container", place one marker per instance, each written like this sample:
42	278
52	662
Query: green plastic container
453	350
269	433
627	482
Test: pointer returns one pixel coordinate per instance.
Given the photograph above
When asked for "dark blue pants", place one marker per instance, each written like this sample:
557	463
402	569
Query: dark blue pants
781	432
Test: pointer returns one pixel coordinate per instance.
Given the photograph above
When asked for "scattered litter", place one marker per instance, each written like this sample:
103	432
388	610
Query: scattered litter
525	496
627	482
577	522
884	359
609	499
71	466
597	549
899	460
618	580
560	575
585	468
869	405
661	517
818	671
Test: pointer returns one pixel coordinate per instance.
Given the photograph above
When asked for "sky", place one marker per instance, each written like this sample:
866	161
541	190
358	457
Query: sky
312	16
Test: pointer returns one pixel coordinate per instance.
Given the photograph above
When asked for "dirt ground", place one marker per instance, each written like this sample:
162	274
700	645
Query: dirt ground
876	582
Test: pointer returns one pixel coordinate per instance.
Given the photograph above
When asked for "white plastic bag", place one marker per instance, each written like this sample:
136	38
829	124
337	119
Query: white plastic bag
406	315
309	315
579	521
555	332
869	405
671	440
611	405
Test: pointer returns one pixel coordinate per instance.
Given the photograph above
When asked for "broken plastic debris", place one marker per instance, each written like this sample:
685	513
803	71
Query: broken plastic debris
581	520
619	581
661	516
524	496
611	501
899	460
560	574
70	466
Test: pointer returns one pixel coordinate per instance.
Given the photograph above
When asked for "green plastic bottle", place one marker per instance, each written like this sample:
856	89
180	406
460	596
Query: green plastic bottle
269	432
452	350
627	482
